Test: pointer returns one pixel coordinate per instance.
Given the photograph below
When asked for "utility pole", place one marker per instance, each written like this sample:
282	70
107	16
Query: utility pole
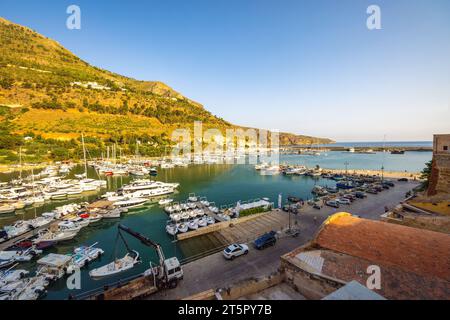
346	166
382	173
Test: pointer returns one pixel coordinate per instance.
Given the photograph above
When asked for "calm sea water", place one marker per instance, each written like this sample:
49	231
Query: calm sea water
223	184
372	144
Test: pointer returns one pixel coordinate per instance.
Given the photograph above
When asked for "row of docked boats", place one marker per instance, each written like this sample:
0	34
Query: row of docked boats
138	192
38	192
189	215
18	284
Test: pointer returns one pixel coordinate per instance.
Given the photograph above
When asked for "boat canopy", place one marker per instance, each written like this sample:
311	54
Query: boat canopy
55	260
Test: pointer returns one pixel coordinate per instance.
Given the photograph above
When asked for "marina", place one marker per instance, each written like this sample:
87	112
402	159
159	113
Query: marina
194	189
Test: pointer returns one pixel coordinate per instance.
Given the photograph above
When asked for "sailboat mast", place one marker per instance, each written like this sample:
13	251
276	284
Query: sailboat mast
20	162
84	155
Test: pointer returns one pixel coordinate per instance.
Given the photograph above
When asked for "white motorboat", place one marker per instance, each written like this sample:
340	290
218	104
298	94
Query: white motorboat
112	214
202	222
19	205
193	225
210	220
17	229
38	200
192	197
117	266
9	276
34	289
130	203
192	214
150	193
204	202
19	256
164	202
7	209
83	255
55	195
175	217
74	191
40	221
185	215
70	226
182	227
171	229
47	235
92	252
192	205
95	217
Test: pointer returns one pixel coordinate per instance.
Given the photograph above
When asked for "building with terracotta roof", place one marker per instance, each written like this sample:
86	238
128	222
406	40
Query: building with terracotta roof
413	263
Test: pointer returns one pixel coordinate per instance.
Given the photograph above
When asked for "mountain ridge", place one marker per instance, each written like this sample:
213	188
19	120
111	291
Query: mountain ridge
46	90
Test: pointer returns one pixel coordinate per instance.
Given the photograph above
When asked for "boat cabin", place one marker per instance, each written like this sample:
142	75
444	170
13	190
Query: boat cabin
54	265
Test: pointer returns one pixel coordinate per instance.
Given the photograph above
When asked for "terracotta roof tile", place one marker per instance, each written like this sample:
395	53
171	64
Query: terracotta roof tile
423	252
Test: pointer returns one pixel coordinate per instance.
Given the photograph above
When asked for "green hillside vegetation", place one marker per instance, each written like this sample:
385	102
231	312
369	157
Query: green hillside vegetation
44	94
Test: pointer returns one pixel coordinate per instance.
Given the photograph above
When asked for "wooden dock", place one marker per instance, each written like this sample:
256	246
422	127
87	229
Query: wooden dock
242	227
22	237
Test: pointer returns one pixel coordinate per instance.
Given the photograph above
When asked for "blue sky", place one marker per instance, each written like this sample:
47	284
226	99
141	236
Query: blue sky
308	67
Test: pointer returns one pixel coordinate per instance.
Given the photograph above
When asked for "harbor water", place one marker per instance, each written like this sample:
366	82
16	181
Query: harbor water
223	184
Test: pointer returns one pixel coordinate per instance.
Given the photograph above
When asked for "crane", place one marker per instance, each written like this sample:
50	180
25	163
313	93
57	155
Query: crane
168	269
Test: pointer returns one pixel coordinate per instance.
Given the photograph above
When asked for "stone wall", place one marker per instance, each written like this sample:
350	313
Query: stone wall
440	176
309	285
433	223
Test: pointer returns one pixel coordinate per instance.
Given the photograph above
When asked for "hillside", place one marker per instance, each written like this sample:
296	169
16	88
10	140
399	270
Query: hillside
49	93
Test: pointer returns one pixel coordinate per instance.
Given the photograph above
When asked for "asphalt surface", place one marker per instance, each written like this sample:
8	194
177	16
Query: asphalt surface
214	271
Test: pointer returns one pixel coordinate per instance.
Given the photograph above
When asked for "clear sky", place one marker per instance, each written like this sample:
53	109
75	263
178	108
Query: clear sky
307	67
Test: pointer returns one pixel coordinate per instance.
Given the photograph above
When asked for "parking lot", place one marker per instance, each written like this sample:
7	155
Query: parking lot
214	271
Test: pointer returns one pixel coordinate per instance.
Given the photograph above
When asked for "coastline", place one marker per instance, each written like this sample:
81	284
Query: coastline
386	174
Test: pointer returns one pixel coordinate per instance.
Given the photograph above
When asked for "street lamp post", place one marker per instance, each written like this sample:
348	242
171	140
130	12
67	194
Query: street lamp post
346	166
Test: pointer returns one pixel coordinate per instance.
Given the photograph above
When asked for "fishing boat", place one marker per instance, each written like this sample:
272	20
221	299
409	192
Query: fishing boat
117	266
164	202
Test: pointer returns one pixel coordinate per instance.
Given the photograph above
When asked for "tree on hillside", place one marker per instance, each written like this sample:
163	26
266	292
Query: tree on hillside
6	83
426	175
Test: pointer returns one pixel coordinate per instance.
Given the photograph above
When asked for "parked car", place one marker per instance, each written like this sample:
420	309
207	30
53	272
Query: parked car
372	191
267	239
361	194
332	203
403	180
349	197
235	250
390	183
343	201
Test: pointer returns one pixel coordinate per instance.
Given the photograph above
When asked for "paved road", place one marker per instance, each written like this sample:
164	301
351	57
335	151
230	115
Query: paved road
215	272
